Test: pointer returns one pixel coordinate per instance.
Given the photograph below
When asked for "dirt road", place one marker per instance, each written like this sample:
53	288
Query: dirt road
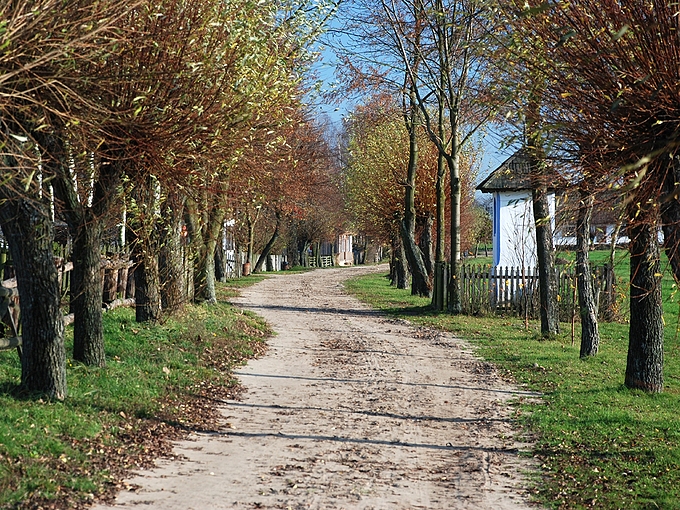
348	410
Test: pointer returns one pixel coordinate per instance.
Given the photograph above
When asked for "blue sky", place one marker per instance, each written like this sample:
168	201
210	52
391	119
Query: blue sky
325	69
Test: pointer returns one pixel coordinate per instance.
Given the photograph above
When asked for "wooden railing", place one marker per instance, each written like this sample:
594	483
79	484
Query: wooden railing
118	291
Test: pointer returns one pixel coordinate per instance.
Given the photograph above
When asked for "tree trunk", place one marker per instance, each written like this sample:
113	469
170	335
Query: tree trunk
209	292
590	335
213	227
455	305
171	255
29	231
220	261
270	244
303	248
438	302
110	291
426	244
420	279
147	289
250	223
402	272
85	225
393	263
146	249
87	293
547	283
193	256
546	262
644	367
292	249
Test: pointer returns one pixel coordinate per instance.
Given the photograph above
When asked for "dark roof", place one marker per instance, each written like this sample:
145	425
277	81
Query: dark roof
512	175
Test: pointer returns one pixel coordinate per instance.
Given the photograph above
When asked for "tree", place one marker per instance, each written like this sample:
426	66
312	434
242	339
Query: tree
453	52
519	53
540	175
43	42
86	213
377	146
298	179
611	100
381	68
590	334
378	152
27	225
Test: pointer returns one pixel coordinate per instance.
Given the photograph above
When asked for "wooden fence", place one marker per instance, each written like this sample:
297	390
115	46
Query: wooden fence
514	291
320	261
118	291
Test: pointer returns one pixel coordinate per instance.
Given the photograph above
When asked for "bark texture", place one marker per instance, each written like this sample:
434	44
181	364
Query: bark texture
402	268
147	288
420	281
398	270
455	305
29	230
439	285
644	366
590	334
86	295
145	253
426	245
546	261
171	257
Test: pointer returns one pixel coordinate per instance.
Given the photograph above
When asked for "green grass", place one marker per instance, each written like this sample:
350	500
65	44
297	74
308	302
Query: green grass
61	451
231	287
598	443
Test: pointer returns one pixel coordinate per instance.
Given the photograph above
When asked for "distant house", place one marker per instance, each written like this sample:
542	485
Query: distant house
605	217
344	255
514	239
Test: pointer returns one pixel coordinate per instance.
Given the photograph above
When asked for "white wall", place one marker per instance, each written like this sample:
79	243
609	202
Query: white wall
514	231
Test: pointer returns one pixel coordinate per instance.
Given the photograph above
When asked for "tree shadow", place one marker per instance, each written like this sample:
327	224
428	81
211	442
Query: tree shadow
18	392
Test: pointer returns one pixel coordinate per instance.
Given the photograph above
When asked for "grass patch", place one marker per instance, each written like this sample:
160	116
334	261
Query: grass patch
154	388
232	286
599	444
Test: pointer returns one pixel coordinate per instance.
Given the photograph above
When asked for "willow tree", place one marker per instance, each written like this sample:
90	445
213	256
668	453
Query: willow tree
612	70
259	101
43	42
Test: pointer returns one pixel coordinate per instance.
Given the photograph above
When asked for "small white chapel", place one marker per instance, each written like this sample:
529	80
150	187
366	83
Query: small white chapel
514	239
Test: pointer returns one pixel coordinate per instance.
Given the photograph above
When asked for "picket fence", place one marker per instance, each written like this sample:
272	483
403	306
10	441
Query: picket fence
515	291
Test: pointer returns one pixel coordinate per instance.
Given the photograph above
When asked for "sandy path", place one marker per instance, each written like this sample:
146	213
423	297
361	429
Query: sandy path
347	410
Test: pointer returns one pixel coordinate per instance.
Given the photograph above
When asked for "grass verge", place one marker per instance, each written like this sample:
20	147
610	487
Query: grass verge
599	444
160	383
